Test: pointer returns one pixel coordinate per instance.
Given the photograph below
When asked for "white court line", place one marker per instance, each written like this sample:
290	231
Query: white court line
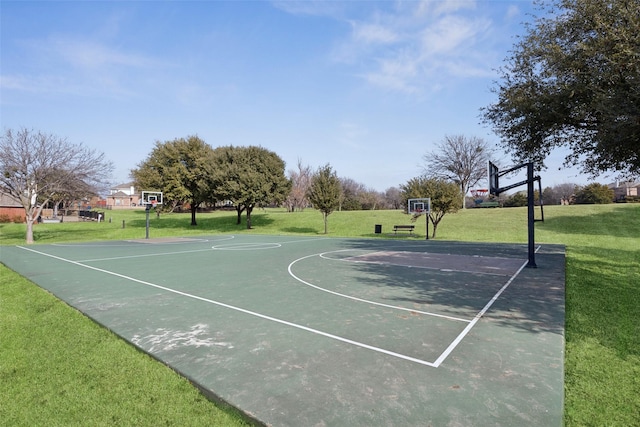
395	307
181	252
481	313
242	310
145	255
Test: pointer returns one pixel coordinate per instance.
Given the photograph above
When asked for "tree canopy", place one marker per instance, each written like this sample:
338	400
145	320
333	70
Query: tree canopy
181	169
573	81
325	192
444	195
249	177
594	193
37	168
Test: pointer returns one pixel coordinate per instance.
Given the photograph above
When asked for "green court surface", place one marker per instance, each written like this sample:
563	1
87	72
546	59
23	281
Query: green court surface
299	331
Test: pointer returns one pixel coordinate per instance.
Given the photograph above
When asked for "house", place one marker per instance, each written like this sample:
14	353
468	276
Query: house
624	190
11	210
123	196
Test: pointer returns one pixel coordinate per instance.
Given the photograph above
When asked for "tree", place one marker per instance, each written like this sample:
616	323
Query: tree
393	198
459	159
445	197
181	169
515	200
249	177
350	194
559	194
37	166
325	192
300	181
573	81
594	194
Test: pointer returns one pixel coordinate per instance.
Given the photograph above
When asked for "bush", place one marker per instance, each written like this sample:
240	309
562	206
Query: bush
595	193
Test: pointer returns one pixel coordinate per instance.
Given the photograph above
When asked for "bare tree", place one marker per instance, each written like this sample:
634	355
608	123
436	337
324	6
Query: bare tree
300	182
559	194
459	159
393	197
36	167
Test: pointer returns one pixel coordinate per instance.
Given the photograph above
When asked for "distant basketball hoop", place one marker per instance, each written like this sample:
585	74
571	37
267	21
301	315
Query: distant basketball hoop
419	207
150	200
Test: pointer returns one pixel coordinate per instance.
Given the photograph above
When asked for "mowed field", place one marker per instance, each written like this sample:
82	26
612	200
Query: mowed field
59	368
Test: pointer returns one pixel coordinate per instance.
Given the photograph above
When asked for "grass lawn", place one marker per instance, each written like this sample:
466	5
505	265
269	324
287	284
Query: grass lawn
59	368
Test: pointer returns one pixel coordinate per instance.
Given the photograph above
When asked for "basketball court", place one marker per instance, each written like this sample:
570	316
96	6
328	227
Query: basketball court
300	331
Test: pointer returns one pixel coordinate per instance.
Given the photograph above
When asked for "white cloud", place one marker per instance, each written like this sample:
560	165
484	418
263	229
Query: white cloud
373	33
448	6
450	34
79	67
88	54
415	47
512	12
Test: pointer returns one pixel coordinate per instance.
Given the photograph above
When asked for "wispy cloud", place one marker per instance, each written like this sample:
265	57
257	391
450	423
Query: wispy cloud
64	64
416	46
94	55
373	33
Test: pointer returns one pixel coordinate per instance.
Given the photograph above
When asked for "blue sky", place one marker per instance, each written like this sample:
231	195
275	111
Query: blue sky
367	86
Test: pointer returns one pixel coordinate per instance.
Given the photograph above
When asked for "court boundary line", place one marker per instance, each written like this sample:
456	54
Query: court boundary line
471	323
213	248
239	309
443	356
380	304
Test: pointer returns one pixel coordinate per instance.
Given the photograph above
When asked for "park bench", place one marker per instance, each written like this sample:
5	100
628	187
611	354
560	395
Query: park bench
488	205
408	228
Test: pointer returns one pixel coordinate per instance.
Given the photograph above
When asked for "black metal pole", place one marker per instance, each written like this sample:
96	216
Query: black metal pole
148	209
531	218
427	215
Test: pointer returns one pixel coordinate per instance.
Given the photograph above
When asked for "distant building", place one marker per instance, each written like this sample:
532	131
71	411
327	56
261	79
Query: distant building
623	190
123	196
11	210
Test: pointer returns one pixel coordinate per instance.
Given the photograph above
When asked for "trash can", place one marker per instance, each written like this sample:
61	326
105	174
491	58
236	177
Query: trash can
378	228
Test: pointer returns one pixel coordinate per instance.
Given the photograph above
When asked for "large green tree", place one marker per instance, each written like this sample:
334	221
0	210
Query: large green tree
36	168
181	169
444	195
573	81
249	177
325	192
594	193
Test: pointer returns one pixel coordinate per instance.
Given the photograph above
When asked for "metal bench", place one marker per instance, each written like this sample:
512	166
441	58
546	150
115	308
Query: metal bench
408	228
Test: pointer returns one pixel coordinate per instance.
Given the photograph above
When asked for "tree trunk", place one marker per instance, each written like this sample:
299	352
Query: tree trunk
435	227
194	208
32	215
249	210
326	229
29	237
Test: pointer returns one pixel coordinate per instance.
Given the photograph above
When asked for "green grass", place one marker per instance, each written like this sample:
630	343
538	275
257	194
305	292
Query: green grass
65	370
